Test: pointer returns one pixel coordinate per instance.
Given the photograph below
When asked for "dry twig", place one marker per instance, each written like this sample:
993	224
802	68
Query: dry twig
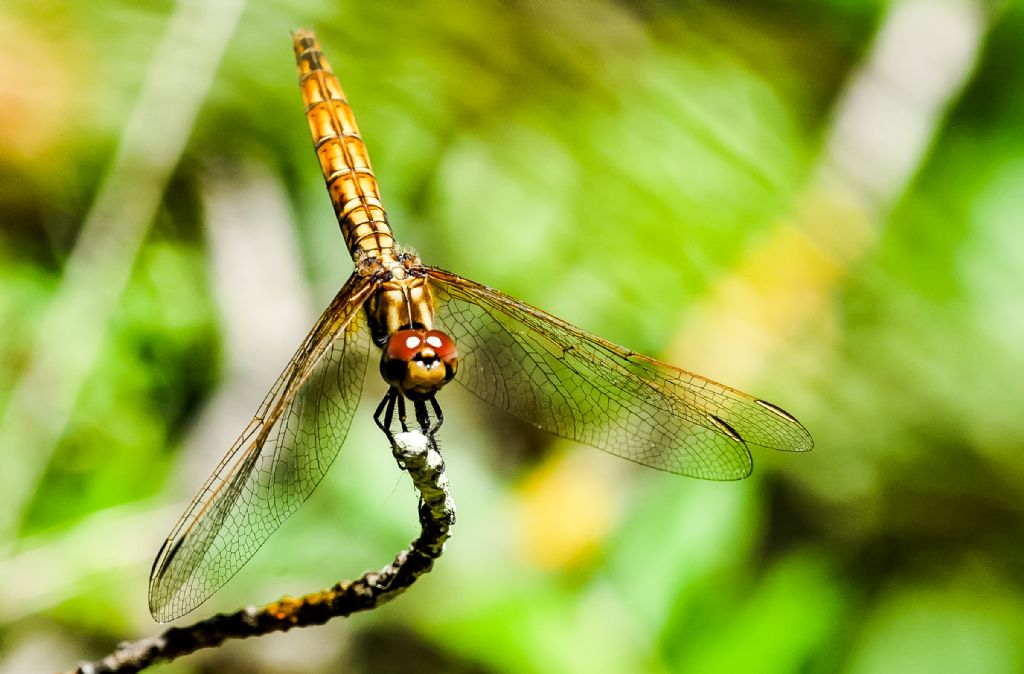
416	453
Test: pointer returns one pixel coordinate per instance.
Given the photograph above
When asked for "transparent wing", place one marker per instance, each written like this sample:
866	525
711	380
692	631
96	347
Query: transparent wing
579	386
274	465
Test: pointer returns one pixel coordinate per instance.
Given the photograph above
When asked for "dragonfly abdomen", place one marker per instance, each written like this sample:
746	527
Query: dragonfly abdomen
342	153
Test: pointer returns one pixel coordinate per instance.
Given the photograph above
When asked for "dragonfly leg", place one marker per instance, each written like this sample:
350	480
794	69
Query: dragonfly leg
423	416
402	417
438	413
386	408
384	415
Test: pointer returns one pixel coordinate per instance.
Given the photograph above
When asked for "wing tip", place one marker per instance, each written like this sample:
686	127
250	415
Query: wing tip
746	470
804	442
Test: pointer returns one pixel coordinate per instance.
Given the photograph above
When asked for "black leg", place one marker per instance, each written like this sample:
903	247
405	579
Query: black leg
402	418
438	413
387	408
384	415
422	416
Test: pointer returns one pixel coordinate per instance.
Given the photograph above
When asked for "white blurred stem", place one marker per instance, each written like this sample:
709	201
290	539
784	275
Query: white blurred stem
883	125
73	329
887	117
263	299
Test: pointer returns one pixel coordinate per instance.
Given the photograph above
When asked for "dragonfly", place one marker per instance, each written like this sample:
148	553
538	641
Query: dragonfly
433	327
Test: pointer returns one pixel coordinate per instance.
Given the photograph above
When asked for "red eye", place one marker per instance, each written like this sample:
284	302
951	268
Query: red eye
404	345
442	345
419	362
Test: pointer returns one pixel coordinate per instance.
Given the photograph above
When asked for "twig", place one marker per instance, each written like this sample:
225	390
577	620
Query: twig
416	453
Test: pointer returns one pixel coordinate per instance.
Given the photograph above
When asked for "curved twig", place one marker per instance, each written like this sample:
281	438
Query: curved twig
416	453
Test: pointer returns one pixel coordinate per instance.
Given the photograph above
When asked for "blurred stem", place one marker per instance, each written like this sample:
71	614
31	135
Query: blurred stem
883	125
73	329
888	115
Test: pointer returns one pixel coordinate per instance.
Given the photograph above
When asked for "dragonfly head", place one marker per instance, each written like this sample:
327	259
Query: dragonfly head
419	362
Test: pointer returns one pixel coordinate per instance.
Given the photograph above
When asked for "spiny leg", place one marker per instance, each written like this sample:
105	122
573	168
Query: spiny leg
437	413
423	415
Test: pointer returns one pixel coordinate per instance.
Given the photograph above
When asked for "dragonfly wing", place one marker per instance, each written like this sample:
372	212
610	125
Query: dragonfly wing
579	386
274	465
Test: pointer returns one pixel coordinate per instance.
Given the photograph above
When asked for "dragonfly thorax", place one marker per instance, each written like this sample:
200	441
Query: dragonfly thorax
417	360
399	304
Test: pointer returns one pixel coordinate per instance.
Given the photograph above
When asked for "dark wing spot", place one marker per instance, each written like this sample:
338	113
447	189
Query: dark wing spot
777	410
170	555
159	556
725	428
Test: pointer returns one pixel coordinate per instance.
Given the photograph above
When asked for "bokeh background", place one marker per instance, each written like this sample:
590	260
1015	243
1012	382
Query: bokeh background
822	203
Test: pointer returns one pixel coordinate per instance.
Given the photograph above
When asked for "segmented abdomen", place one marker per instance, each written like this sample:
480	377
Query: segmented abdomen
342	153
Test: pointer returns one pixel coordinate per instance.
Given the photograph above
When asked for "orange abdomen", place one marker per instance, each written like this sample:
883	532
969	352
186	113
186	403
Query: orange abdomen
343	157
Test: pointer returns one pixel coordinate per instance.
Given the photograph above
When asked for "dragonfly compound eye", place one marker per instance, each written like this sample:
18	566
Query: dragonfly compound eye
419	362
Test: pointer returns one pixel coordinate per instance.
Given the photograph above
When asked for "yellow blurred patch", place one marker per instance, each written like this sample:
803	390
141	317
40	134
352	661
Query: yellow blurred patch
35	91
565	510
783	282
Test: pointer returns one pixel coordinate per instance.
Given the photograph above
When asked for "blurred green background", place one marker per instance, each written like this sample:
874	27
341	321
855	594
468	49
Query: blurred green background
817	202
